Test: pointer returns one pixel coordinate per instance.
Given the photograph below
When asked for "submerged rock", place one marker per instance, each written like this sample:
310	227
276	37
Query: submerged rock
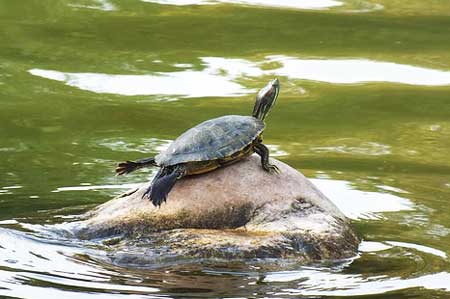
239	211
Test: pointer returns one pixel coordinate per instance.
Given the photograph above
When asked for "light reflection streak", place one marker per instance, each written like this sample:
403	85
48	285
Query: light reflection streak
96	187
421	248
104	5
324	283
144	145
219	76
299	4
54	264
356	204
187	83
365	148
348	71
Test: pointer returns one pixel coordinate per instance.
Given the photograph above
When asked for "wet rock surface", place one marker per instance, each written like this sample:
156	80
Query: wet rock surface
239	211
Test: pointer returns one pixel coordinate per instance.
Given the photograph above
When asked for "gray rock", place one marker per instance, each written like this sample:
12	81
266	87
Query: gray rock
239	211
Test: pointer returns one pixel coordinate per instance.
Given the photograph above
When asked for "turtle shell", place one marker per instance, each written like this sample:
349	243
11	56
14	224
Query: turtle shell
213	139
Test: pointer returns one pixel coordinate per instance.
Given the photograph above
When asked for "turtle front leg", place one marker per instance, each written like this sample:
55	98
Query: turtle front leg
263	151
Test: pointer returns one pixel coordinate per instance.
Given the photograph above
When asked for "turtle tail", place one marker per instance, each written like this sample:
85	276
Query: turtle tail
130	166
161	185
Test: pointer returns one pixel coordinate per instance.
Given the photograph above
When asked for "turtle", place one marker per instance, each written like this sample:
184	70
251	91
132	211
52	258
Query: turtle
210	145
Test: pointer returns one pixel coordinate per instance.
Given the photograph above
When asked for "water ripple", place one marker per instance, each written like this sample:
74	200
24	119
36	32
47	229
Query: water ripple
365	148
345	71
144	145
31	267
219	76
187	83
356	204
323	283
299	4
104	5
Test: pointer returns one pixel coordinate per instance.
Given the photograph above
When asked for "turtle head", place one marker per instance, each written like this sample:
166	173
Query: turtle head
266	99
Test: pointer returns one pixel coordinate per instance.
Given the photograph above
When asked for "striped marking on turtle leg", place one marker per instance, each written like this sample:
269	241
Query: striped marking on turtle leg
263	152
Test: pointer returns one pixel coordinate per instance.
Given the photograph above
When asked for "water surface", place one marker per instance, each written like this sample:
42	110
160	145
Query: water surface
364	112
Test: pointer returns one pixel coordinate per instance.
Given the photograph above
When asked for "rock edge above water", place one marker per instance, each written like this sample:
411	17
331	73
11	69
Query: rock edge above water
239	211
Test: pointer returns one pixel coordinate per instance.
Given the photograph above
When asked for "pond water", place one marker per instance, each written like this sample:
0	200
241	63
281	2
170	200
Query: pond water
364	111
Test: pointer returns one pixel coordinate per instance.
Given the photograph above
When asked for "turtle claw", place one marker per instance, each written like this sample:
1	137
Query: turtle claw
147	194
158	202
155	201
126	167
273	169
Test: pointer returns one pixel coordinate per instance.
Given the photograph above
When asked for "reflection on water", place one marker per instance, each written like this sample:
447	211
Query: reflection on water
323	283
8	190
32	267
381	149
40	263
206	83
365	148
218	77
358	70
11	221
370	246
12	187
301	4
104	5
276	151
392	189
421	248
96	187
144	145
356	204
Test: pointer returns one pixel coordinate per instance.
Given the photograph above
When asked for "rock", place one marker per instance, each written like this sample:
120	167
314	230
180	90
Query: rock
239	211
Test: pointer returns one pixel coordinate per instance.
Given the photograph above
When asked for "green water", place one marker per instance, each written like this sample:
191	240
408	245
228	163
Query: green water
364	110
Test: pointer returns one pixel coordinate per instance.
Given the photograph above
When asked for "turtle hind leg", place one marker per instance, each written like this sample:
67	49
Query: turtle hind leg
263	151
130	166
161	185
